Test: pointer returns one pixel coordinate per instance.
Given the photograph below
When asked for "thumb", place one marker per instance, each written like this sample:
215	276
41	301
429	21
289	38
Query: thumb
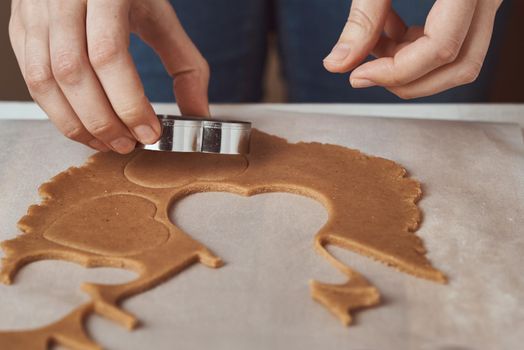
360	35
157	24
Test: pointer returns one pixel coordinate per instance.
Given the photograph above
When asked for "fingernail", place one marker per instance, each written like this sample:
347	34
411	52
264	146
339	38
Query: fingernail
361	83
339	52
157	128
98	145
145	134
123	145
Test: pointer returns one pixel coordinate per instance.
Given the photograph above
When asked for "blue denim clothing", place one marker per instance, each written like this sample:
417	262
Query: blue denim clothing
232	36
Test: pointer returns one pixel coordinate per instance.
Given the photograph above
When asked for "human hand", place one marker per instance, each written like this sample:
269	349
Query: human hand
74	57
414	61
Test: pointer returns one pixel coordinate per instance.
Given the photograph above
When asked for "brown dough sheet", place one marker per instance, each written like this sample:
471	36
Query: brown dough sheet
113	212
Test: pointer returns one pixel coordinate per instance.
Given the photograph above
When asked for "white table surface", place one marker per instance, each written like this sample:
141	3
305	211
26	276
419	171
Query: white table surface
510	113
473	181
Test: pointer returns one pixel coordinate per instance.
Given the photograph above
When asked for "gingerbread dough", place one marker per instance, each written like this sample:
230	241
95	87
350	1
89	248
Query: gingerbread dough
113	212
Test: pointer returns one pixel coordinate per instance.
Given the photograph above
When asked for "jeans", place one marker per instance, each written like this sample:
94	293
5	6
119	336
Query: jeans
232	36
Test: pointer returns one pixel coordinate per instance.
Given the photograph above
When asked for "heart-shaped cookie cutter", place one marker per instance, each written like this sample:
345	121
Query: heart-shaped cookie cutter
190	134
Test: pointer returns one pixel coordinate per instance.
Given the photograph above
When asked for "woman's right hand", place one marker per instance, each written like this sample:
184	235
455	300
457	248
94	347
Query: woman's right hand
74	57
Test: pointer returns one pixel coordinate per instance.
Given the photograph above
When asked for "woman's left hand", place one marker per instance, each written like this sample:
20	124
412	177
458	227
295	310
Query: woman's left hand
414	61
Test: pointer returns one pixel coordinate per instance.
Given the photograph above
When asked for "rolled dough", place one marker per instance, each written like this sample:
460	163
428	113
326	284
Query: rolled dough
113	212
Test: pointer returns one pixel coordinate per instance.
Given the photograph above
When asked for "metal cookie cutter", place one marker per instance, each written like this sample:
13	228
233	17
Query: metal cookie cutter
189	134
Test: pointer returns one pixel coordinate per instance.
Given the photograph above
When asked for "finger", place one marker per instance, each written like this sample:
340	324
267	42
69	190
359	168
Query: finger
446	28
360	34
157	24
394	27
387	47
413	33
464	70
108	38
14	6
76	78
39	78
394	32
17	36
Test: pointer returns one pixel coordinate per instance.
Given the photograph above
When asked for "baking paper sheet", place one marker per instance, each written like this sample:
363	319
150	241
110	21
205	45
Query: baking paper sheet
473	228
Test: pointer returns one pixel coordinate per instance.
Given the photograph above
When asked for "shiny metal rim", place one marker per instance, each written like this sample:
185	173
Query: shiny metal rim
190	134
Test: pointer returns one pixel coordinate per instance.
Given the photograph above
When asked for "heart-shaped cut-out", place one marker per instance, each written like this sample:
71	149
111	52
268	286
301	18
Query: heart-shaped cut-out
115	225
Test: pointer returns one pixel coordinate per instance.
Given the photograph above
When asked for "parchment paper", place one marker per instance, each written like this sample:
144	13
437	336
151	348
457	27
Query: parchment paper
473	228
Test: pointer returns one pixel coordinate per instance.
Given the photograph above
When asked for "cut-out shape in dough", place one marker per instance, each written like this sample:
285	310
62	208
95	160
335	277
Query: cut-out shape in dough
371	206
102	226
